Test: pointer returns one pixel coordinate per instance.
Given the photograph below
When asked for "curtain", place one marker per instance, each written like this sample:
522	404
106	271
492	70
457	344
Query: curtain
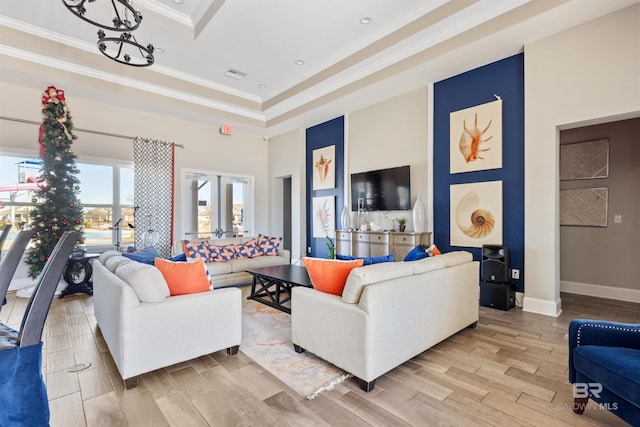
154	193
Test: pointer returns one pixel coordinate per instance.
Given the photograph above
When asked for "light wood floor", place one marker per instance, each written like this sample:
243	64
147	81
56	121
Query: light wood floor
510	371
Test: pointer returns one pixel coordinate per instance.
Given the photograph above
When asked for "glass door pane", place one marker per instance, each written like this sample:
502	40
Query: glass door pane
218	205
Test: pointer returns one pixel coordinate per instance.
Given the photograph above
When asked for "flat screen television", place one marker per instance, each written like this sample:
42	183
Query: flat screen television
381	190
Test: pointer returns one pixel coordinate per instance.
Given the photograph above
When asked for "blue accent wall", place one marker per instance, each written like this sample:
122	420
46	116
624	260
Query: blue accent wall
504	78
324	135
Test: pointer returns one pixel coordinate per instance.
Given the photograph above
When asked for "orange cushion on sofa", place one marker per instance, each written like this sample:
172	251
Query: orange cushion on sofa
184	277
330	275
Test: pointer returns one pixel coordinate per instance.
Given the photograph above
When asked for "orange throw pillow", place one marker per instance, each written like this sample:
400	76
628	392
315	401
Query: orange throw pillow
435	251
184	277
330	275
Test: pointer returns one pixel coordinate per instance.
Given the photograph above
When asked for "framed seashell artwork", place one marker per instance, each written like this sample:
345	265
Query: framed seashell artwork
324	168
324	216
476	214
475	136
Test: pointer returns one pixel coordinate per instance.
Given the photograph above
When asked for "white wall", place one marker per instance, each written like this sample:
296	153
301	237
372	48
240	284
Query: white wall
585	75
205	148
287	157
389	134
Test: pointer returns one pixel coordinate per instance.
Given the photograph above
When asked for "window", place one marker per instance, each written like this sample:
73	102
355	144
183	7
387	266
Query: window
106	193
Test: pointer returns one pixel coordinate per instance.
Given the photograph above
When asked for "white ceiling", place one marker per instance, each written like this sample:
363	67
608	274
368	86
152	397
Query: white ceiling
347	65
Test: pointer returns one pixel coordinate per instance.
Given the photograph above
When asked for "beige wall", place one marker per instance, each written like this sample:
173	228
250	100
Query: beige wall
205	148
585	75
598	260
389	134
287	154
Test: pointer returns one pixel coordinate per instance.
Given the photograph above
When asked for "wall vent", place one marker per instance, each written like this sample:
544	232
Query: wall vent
235	74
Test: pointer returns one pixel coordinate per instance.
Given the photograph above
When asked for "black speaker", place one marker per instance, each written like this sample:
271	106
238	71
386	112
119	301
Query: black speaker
495	263
498	295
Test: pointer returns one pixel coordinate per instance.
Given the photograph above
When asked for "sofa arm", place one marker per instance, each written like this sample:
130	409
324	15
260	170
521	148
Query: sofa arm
601	333
331	329
286	254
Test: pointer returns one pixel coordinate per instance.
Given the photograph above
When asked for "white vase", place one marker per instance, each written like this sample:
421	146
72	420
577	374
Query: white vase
346	218
419	216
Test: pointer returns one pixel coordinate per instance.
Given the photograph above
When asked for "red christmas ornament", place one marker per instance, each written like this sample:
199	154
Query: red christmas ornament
64	222
34	235
71	205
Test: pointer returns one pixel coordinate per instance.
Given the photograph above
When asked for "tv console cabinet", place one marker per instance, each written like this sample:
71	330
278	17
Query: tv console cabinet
379	243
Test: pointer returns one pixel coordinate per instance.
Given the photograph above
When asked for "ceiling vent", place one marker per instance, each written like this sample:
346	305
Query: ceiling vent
235	74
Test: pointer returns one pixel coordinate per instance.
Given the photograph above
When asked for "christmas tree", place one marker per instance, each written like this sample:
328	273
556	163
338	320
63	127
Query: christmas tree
57	208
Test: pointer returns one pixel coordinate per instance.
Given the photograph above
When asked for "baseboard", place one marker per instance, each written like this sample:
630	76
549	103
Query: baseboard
609	292
541	306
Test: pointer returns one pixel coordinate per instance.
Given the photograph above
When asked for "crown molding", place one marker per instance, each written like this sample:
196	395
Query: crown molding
124	81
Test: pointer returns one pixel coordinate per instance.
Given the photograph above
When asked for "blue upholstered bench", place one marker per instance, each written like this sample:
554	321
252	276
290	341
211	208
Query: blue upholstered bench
604	365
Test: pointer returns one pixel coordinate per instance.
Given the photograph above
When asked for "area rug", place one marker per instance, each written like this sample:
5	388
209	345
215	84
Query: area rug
266	339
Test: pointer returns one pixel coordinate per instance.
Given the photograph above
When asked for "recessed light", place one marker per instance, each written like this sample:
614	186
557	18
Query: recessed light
178	1
262	85
158	50
365	20
299	62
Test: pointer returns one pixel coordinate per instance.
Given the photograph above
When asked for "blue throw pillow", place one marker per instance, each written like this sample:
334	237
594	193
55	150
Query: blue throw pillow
145	256
419	252
179	258
367	260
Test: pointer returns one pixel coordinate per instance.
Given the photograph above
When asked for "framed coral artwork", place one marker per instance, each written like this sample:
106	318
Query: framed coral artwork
324	216
324	168
475	136
476	214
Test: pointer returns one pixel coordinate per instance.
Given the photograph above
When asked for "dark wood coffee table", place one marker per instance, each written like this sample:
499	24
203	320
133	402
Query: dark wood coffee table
272	285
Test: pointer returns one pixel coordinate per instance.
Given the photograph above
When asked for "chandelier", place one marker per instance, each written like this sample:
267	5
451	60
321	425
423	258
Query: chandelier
126	50
121	17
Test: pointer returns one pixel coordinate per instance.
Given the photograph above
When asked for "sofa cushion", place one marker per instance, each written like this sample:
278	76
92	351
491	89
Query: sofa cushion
616	368
145	256
227	241
456	257
428	264
197	249
268	245
367	260
217	268
113	262
106	255
247	249
363	276
243	264
329	275
145	280
266	261
184	277
222	253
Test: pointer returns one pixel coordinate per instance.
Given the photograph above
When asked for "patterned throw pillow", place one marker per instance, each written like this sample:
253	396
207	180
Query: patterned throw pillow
197	249
222	253
268	245
247	249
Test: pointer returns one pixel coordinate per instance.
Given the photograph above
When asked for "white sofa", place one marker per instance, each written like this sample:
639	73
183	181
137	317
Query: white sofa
146	329
234	272
388	313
